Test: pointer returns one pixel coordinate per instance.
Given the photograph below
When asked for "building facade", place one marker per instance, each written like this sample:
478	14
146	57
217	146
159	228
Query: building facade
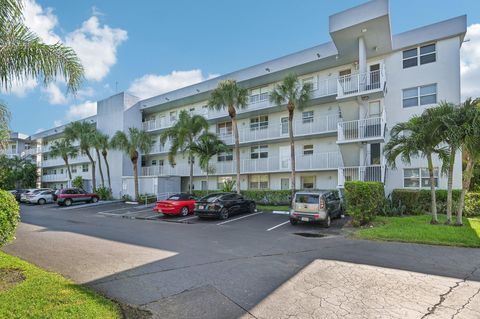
364	81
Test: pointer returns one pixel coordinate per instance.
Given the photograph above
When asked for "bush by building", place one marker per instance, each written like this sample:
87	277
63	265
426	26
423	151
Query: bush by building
9	217
418	201
364	200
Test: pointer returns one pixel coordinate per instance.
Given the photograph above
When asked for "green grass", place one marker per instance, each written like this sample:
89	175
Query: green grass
45	294
269	208
417	229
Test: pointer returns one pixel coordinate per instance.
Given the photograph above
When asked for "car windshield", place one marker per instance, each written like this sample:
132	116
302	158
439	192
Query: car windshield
211	198
307	198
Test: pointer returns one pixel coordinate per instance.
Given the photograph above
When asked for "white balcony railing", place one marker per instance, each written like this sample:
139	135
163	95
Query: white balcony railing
372	173
361	83
54	178
315	161
362	130
61	162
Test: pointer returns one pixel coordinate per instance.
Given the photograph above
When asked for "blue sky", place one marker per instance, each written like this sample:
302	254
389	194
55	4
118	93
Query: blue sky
137	45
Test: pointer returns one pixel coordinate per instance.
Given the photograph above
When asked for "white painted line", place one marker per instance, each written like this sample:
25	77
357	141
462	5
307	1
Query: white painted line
149	217
281	212
279	225
188	218
232	220
114	210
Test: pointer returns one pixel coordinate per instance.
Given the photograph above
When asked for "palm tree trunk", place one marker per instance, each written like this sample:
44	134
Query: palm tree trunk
237	150
292	151
465	186
432	190
94	181
135	177
207	177
104	154
450	186
68	169
100	166
191	174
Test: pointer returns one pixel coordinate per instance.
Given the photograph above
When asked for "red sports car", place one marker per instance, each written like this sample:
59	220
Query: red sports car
178	204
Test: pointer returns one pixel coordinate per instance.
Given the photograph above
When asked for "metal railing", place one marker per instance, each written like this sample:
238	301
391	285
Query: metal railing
371	173
354	84
363	129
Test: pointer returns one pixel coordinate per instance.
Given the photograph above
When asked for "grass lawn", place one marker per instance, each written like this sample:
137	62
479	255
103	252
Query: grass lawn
269	208
44	294
417	229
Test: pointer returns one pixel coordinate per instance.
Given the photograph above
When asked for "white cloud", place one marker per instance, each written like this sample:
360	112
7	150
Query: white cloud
20	89
80	111
96	46
54	94
41	21
470	63
151	84
57	123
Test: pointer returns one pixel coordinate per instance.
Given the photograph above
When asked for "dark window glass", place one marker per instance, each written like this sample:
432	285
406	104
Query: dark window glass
410	53
429	99
410	102
410	63
427	49
429	58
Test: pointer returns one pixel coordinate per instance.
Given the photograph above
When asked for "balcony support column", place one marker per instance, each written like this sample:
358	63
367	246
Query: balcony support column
362	56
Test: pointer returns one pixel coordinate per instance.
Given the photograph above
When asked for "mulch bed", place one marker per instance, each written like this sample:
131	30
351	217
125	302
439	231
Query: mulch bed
10	277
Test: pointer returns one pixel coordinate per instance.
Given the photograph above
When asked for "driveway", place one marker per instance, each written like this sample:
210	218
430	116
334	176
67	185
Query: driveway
251	266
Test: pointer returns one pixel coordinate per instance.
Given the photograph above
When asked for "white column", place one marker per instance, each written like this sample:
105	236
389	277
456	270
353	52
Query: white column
362	63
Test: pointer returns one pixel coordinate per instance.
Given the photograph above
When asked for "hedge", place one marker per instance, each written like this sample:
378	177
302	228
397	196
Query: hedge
417	202
9	217
260	196
364	200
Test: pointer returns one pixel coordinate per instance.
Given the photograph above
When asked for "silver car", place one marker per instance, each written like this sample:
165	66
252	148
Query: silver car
40	197
316	206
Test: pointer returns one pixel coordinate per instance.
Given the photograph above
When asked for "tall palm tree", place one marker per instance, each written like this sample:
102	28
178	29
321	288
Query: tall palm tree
103	142
471	149
229	95
416	138
24	56
183	135
64	149
84	133
294	95
130	144
207	146
96	139
4	125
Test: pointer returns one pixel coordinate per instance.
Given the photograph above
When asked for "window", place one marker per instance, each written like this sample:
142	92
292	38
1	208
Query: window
418	177
375	154
284	123
308	149
85	168
308	182
374	109
258	182
259	152
191	110
173	116
45	157
160	162
259	123
427	52
222	179
154	162
224	128
258	95
204	185
422	95
312	81
225	156
74	169
307	117
284	183
61	171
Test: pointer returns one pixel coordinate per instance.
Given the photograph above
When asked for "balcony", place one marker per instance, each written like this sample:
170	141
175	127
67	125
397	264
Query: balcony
54	178
61	162
314	162
360	84
372	173
365	130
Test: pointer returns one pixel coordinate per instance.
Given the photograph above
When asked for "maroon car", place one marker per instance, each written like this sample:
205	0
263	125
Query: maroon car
68	196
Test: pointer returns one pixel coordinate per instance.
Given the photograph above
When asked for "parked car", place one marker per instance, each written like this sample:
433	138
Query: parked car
223	205
17	193
178	204
41	197
68	196
317	206
23	196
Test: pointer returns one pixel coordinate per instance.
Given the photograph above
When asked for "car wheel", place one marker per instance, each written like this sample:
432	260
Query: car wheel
68	202
94	200
42	201
252	208
293	221
327	221
224	214
184	211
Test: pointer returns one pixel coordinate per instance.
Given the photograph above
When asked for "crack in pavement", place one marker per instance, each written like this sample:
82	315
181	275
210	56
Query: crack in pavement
233	301
466	304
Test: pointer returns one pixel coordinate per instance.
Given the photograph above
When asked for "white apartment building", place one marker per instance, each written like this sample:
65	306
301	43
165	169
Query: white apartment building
365	81
16	146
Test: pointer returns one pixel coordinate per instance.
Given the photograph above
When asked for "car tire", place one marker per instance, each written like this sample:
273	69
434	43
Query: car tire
327	221
184	211
251	208
293	221
68	202
223	214
41	201
94	199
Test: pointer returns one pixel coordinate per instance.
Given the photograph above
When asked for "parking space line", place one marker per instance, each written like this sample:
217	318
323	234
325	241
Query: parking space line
232	220
113	210
279	225
188	218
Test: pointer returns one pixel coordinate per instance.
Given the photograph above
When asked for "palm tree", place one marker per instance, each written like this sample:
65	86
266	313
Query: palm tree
231	96
103	143
183	135
84	133
448	120
64	149
207	146
471	148
130	144
96	139
295	96
24	56
4	125
416	138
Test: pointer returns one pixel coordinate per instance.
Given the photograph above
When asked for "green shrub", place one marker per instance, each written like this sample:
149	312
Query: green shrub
126	198
9	217
78	182
364	200
147	198
418	201
104	193
228	186
472	204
